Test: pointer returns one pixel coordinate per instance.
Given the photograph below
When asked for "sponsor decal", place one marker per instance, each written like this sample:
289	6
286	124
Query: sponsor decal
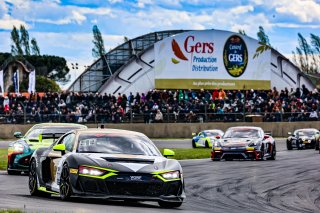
235	56
135	178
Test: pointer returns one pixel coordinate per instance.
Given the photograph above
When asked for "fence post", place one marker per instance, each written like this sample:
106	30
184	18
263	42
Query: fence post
205	112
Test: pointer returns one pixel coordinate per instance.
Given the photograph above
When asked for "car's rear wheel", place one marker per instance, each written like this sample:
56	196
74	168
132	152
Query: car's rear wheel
273	153
164	204
194	144
316	146
65	186
207	144
289	145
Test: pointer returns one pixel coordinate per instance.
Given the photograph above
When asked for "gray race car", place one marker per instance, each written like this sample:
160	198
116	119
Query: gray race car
107	163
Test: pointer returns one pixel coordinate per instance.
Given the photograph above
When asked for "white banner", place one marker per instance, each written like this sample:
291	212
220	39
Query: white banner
211	59
1	83
32	81
16	81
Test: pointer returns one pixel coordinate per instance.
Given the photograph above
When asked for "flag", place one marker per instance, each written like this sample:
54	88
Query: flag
16	81
1	82
32	81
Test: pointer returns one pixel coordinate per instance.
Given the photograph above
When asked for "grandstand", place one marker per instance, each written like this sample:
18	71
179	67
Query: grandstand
134	66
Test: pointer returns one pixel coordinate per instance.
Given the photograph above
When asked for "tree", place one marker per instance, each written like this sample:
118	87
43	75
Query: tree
306	56
98	50
34	47
24	40
263	41
16	46
242	32
263	37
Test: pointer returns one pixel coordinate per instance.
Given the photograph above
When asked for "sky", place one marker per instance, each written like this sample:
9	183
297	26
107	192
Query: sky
64	27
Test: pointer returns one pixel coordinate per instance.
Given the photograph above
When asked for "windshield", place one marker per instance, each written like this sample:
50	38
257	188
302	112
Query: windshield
212	133
242	133
117	144
306	133
34	133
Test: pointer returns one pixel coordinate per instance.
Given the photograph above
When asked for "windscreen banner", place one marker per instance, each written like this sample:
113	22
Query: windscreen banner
211	59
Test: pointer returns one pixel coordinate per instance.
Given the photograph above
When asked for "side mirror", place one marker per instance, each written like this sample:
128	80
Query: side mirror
218	137
17	134
59	147
289	133
168	152
40	137
266	137
193	134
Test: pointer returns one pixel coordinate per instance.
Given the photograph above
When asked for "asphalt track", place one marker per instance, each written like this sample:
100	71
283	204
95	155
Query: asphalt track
288	184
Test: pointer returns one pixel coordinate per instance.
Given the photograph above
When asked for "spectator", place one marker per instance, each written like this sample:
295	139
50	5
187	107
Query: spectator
158	117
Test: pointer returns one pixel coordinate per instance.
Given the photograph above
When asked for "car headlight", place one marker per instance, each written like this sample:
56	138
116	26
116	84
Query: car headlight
254	143
171	175
16	148
85	170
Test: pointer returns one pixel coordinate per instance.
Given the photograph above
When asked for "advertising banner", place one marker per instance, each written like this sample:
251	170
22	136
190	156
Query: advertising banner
211	59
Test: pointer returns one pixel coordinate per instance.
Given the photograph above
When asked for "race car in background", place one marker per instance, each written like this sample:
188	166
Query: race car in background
206	138
107	163
244	143
40	135
303	138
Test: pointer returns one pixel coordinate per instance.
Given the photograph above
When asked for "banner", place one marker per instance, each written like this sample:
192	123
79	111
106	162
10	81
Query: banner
1	83
16	81
211	59
32	81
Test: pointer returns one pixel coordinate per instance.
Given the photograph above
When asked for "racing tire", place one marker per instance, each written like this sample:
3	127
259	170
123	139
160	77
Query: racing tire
194	144
207	144
299	147
273	154
289	145
33	181
170	205
65	185
261	153
316	146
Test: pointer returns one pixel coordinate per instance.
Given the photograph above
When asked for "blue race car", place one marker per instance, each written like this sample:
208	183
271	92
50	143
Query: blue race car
206	138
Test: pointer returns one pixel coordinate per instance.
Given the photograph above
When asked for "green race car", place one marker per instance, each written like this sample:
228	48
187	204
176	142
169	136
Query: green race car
206	138
40	135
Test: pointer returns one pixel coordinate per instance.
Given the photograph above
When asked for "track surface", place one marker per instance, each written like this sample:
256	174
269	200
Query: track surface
289	184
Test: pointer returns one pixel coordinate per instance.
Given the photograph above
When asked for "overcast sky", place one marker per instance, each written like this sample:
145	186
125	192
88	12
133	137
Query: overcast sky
64	27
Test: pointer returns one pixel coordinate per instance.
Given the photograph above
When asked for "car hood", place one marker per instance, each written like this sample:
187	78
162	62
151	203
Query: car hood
128	163
237	142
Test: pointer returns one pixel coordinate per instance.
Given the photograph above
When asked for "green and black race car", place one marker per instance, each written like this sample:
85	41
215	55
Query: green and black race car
40	135
107	163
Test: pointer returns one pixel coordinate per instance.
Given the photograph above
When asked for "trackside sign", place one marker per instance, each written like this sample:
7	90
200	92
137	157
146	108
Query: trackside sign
210	59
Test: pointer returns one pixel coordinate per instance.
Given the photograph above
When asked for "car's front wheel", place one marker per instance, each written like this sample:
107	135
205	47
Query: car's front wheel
273	153
33	181
207	144
316	145
164	204
65	185
194	144
289	145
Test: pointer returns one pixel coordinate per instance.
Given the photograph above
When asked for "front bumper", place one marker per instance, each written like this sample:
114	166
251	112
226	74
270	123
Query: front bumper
234	153
119	187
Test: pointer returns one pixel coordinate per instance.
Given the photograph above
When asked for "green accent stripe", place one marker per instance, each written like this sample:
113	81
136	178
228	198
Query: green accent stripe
43	189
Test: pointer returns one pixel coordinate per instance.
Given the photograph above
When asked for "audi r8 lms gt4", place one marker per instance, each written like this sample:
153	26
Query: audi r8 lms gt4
303	138
107	163
40	135
206	138
244	143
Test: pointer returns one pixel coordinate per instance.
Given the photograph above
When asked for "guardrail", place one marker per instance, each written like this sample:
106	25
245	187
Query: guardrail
199	117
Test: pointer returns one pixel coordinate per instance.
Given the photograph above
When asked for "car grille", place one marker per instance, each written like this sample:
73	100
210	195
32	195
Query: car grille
135	189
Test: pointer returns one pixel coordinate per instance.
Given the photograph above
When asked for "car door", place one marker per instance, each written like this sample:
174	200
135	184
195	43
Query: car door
202	139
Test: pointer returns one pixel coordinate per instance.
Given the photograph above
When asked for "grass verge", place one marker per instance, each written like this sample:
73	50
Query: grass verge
3	159
10	211
182	154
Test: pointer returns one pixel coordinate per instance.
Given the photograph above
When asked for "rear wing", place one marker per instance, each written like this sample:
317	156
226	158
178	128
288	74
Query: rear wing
268	133
53	136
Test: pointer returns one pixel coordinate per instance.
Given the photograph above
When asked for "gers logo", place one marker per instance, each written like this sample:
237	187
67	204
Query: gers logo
190	46
235	56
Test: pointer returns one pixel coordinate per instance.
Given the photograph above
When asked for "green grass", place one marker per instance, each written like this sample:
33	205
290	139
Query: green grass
199	153
10	211
3	159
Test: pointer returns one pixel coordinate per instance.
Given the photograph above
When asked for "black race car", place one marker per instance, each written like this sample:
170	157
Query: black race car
107	163
304	138
244	143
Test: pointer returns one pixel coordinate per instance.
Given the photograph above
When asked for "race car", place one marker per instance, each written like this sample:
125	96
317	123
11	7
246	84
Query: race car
303	138
206	138
244	142
40	135
107	163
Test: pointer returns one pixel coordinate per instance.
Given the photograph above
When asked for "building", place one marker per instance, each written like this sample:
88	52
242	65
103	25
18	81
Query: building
184	59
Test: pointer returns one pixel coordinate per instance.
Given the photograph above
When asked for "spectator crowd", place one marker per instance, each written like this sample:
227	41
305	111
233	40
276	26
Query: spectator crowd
162	106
